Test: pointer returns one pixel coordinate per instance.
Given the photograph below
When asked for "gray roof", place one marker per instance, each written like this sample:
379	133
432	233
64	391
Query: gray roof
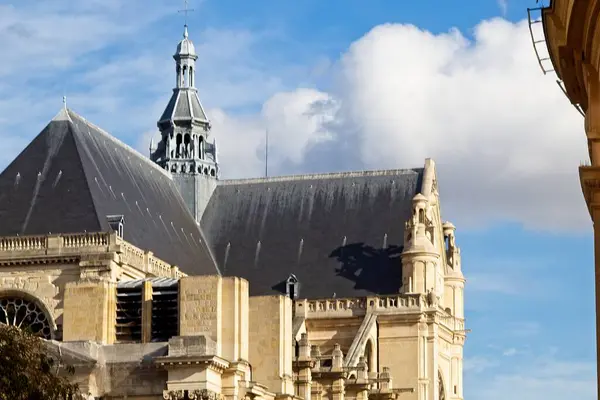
339	234
73	175
185	106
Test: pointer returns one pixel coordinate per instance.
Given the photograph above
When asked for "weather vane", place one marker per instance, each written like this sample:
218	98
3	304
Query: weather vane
186	10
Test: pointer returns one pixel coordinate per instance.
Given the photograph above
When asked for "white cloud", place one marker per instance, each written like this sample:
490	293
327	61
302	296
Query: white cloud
478	364
297	120
504	137
506	141
54	34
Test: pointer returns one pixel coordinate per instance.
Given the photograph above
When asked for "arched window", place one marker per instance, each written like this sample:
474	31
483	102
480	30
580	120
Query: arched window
186	145
178	146
292	287
369	356
25	313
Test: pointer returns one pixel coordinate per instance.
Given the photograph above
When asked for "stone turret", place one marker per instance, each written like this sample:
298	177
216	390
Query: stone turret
420	258
454	281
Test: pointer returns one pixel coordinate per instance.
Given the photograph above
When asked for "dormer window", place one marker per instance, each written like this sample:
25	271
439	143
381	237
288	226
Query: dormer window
116	223
292	287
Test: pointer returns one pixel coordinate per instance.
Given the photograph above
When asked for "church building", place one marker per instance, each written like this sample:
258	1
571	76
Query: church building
155	279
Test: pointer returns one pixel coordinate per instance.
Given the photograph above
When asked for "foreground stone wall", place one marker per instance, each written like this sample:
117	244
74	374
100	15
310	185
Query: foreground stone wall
271	347
45	284
90	312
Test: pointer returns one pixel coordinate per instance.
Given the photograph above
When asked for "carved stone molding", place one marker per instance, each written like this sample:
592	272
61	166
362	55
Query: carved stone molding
197	394
173	394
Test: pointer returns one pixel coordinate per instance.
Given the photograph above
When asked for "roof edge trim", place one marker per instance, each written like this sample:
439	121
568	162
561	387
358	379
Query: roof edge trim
102	224
124	145
330	175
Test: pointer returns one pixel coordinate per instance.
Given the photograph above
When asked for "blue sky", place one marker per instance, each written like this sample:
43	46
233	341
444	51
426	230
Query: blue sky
355	84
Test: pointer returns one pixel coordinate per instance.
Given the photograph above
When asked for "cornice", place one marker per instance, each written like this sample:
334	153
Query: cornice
590	184
40	260
215	363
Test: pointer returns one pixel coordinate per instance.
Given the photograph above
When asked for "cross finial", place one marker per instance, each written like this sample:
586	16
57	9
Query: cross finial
186	10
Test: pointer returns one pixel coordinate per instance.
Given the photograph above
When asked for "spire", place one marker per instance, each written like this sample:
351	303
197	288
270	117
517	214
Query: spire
63	114
186	149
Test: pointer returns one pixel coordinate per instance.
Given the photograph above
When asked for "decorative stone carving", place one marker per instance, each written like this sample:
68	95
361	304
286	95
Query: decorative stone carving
197	394
442	392
205	394
432	298
173	395
23	313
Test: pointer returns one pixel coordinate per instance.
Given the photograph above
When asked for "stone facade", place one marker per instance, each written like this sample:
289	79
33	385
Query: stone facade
229	345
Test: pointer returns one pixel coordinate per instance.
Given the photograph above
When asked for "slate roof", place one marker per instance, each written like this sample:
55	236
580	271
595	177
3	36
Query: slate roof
184	105
340	234
73	175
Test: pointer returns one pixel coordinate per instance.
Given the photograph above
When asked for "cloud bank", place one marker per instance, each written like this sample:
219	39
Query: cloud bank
506	141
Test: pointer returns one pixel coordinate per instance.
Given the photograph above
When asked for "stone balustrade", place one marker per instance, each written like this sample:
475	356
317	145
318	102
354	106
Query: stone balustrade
23	243
335	308
453	323
39	246
97	239
49	244
381	305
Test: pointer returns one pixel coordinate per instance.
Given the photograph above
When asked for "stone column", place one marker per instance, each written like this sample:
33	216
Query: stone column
337	365
147	312
362	378
304	363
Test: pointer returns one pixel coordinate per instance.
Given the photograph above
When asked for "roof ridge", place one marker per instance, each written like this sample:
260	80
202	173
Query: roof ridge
326	175
62	115
120	143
